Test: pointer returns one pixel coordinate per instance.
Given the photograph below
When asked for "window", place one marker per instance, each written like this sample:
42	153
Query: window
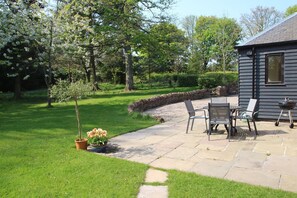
274	66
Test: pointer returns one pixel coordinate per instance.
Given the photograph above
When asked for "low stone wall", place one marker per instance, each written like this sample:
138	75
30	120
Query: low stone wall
225	90
165	99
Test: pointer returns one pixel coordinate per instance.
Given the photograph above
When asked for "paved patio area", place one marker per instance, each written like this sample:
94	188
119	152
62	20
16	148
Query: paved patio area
269	160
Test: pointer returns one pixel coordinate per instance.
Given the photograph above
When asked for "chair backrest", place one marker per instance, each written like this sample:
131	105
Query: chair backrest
251	107
218	100
219	113
190	107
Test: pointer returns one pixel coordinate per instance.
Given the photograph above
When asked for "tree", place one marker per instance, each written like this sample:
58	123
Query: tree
129	18
65	91
291	10
227	34
215	39
20	36
205	39
259	19
162	49
82	23
188	25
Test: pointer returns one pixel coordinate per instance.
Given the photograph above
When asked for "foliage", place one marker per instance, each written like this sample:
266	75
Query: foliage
21	38
188	25
164	49
215	40
186	80
228	33
214	79
291	10
97	137
205	40
259	19
64	91
174	80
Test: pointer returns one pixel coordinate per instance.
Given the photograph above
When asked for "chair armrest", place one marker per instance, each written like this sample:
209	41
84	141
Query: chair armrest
256	112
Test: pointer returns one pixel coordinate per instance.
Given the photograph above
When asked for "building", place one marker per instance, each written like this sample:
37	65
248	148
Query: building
268	68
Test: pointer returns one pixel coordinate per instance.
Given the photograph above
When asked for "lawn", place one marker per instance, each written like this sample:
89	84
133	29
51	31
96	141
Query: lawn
38	158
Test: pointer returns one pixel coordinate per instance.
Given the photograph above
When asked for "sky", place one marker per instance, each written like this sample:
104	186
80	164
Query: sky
221	8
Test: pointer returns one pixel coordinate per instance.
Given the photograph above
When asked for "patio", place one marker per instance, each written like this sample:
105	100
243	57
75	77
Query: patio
269	160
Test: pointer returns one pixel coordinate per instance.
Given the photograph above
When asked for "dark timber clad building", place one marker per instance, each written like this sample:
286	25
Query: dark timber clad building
268	68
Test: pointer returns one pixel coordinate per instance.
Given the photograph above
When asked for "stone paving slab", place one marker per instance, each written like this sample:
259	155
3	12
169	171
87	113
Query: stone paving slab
169	163
213	168
254	176
153	175
288	182
250	160
269	159
182	153
147	191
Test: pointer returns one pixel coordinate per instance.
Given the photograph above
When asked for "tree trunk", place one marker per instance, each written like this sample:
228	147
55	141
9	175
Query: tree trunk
17	87
128	64
78	119
93	66
87	70
48	78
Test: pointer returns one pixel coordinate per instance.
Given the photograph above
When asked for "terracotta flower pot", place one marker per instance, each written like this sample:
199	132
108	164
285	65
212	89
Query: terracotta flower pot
81	144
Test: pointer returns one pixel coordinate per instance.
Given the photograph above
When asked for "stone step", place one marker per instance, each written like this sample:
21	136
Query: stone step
147	191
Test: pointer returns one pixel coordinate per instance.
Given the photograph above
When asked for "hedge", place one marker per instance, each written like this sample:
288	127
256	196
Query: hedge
174	80
213	79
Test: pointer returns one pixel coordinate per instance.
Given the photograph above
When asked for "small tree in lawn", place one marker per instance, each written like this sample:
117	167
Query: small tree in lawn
65	91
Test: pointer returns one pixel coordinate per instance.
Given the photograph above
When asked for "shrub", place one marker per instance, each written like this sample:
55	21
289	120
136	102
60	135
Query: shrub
174	80
214	79
187	80
164	79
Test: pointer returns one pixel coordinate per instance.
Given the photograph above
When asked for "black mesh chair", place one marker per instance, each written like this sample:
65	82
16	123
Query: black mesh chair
219	113
193	116
218	100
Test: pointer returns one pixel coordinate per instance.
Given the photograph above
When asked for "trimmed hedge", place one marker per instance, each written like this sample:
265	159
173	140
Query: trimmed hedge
175	80
213	79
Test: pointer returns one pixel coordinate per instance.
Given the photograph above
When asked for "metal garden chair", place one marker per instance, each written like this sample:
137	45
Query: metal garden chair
193	116
249	114
219	113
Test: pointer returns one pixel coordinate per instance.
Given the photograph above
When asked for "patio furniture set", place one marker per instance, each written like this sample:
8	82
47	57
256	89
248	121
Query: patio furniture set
219	111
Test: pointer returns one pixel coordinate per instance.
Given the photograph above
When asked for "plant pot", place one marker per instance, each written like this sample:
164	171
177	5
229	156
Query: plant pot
81	144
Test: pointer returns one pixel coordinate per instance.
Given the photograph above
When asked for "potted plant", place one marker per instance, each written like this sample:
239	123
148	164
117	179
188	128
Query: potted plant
64	91
97	139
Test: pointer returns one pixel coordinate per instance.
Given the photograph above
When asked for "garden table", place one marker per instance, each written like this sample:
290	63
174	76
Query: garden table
234	110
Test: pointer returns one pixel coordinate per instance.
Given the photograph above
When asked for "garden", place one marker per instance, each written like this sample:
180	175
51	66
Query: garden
39	158
69	70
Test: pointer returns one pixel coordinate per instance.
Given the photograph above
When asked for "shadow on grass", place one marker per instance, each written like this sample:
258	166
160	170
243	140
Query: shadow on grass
38	122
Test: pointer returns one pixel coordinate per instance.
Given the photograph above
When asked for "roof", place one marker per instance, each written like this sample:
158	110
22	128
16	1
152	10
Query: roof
284	31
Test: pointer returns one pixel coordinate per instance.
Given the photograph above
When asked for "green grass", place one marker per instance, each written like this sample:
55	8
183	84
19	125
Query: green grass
38	157
37	151
182	184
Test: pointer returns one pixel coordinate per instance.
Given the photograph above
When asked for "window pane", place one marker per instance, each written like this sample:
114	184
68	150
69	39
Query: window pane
274	68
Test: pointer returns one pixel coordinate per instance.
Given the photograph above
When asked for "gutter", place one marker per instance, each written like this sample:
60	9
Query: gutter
253	72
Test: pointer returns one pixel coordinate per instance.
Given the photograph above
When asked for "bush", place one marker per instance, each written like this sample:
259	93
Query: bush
174	80
213	79
187	80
